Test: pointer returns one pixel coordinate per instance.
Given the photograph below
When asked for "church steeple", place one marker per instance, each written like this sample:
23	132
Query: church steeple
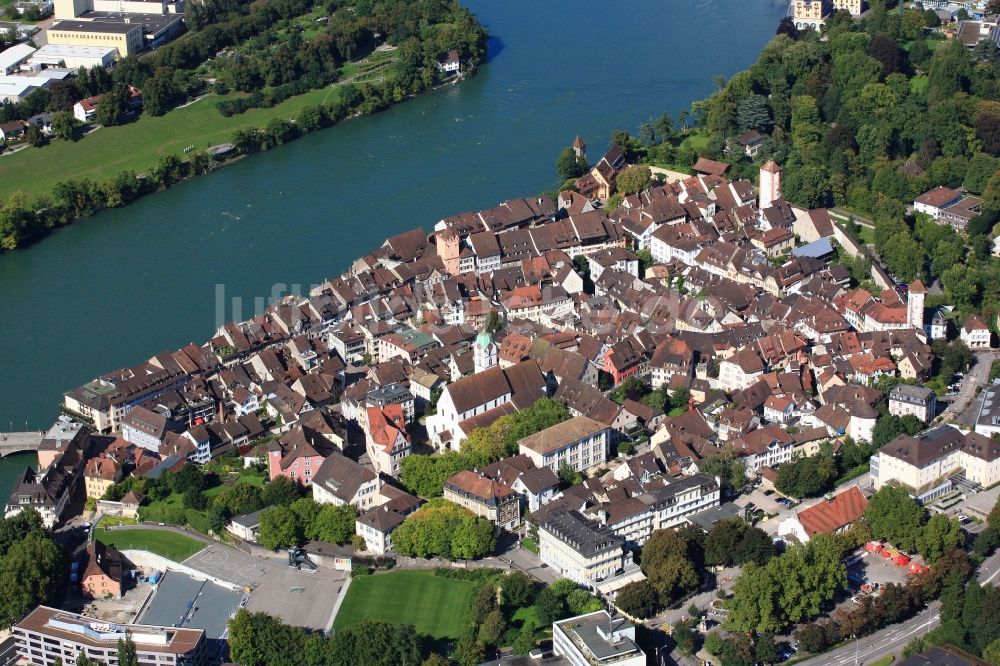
485	351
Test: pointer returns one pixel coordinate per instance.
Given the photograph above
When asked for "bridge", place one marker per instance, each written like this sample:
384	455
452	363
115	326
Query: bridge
16	442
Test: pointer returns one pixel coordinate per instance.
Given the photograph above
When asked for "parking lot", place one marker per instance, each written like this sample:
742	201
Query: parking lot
873	568
300	598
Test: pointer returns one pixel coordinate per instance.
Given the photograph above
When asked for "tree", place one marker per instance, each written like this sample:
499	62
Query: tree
469	652
159	93
31	571
126	651
787	27
525	641
895	517
280	491
633	179
425	475
518	590
440	528
753	112
279	527
491	631
335	524
569	165
375	643
723	540
766	651
949	72
940	535
637	599
111	107
807	477
434	659
64	126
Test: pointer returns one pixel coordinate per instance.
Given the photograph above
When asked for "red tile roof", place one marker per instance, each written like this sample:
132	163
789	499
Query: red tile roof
833	514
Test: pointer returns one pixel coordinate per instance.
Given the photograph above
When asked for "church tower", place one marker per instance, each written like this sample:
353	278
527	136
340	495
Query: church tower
580	148
915	305
770	184
485	352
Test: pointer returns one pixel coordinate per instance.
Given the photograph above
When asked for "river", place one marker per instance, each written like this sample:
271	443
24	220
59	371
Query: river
111	291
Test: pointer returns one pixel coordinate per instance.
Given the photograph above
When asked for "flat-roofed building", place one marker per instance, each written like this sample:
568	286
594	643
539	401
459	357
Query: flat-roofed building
47	634
11	59
597	639
74	57
916	400
126	37
581	443
580	549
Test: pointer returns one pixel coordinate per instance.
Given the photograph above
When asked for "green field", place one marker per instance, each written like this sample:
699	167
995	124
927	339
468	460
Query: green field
436	606
918	84
170	545
138	146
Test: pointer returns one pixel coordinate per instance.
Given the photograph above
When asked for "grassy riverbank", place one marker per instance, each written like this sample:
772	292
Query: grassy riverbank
139	146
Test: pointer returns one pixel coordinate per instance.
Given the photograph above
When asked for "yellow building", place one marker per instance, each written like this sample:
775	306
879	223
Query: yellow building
853	6
99	475
126	37
810	13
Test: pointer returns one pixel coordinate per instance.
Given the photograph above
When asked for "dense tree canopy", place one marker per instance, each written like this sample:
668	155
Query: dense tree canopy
443	529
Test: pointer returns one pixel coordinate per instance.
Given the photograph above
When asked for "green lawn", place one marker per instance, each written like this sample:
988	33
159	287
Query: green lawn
436	606
170	545
138	146
530	545
918	84
866	234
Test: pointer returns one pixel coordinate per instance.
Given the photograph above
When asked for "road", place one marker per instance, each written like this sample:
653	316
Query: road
965	408
891	640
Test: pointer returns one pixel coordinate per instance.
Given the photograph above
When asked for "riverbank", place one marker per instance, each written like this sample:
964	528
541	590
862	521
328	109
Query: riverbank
144	155
104	292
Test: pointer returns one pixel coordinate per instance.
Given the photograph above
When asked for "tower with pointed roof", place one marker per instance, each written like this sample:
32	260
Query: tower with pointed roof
770	184
580	147
485	353
915	304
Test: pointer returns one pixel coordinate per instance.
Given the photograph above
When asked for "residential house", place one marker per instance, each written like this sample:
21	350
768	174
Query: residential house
767	446
975	333
916	400
104	572
340	480
99	474
498	503
386	438
832	514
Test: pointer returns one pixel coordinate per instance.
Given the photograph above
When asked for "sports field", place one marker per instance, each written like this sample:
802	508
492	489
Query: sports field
170	545
436	606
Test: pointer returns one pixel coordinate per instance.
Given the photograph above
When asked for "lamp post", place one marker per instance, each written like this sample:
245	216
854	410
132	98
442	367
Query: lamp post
856	647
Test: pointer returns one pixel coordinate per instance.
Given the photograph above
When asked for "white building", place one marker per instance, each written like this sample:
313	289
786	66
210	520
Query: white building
74	57
975	333
925	464
581	443
597	639
580	549
916	400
